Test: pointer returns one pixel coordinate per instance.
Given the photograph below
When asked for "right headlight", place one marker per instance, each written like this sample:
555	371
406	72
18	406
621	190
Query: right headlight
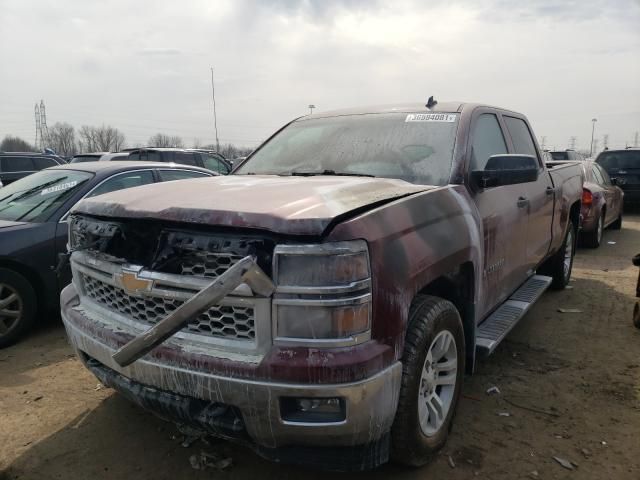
323	294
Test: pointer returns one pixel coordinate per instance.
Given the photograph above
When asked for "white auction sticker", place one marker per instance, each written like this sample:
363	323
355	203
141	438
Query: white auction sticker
58	188
431	117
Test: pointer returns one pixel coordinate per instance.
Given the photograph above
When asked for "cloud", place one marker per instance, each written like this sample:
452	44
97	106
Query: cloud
559	63
158	52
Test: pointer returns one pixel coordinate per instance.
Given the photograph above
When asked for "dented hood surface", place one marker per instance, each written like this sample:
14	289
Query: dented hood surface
288	205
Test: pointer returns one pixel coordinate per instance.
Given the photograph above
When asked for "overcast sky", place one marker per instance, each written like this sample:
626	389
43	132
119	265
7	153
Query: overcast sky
143	66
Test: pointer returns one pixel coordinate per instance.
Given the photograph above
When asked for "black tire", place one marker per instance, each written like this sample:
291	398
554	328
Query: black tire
594	239
617	224
428	317
13	327
636	315
555	266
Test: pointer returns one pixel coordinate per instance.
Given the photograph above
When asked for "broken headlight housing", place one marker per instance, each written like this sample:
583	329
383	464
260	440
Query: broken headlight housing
323	294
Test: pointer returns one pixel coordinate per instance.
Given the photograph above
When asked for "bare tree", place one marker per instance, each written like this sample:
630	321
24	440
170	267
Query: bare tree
164	140
229	150
62	139
100	139
15	144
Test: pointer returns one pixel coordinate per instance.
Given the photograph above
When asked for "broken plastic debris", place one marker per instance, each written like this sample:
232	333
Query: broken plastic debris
493	390
569	310
452	464
209	460
565	463
504	414
98	387
611	243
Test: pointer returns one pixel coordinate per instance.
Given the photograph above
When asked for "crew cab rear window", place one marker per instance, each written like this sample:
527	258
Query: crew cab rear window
487	140
185	158
520	136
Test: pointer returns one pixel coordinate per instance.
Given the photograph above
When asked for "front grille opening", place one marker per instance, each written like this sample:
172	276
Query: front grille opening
220	321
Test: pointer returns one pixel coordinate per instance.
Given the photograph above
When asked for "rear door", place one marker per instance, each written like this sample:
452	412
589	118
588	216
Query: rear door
538	195
504	225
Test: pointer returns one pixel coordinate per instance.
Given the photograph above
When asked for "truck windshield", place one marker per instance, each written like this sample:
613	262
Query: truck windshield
614	161
35	197
414	147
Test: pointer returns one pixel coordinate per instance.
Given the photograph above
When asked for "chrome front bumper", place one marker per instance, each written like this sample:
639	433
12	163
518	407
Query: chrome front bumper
370	404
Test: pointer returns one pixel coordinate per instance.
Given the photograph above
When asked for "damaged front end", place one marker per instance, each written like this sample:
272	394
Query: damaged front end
262	340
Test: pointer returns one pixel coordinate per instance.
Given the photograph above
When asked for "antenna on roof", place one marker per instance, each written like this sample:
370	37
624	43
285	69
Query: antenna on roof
431	103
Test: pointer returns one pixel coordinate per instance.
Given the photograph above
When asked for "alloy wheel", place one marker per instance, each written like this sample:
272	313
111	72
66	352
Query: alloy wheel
437	383
10	308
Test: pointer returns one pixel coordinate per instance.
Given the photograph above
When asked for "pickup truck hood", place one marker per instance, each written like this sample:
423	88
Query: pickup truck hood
288	205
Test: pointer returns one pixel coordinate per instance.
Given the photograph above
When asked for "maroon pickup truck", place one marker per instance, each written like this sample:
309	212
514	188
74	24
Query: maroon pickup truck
323	302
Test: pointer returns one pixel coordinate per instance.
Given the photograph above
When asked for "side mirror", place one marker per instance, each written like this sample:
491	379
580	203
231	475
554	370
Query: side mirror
506	169
617	181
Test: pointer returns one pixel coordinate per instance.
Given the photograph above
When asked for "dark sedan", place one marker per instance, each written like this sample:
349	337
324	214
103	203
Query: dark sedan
624	166
33	230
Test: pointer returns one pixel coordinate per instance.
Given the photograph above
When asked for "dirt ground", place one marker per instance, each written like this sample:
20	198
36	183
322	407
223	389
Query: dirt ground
570	383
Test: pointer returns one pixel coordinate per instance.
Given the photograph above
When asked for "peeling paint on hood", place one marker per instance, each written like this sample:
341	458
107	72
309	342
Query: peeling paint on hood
288	205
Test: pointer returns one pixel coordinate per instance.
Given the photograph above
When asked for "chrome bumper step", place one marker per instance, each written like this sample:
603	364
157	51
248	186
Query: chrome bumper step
496	327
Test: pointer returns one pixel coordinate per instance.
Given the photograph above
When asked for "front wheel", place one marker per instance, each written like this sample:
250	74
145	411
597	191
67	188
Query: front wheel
17	306
432	374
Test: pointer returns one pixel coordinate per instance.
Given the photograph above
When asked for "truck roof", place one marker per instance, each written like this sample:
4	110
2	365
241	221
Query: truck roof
452	106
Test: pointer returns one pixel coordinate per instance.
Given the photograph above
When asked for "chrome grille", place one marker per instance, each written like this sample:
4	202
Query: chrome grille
208	264
222	321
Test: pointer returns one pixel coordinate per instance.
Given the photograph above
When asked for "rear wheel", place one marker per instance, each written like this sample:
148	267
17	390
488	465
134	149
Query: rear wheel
594	239
559	266
17	306
617	224
432	373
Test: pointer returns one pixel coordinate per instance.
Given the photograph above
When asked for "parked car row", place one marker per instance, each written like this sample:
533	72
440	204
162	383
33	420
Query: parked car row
33	230
197	157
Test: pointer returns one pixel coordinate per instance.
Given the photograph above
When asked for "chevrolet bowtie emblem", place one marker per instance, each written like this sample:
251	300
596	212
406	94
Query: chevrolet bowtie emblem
131	283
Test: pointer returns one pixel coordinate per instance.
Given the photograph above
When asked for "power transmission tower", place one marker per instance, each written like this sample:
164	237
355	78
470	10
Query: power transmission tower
572	142
43	125
42	132
605	141
36	111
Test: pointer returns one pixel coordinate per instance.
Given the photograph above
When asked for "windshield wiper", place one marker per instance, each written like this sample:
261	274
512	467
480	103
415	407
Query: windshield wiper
31	190
313	173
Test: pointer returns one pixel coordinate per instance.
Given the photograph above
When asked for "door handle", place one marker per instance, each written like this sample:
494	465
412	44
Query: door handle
522	202
549	191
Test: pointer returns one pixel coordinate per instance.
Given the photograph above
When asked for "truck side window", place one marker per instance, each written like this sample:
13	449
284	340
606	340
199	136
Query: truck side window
521	137
487	140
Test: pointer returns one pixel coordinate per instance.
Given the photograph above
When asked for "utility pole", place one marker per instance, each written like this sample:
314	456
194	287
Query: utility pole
543	140
593	129
215	118
311	107
605	141
572	143
635	140
595	146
